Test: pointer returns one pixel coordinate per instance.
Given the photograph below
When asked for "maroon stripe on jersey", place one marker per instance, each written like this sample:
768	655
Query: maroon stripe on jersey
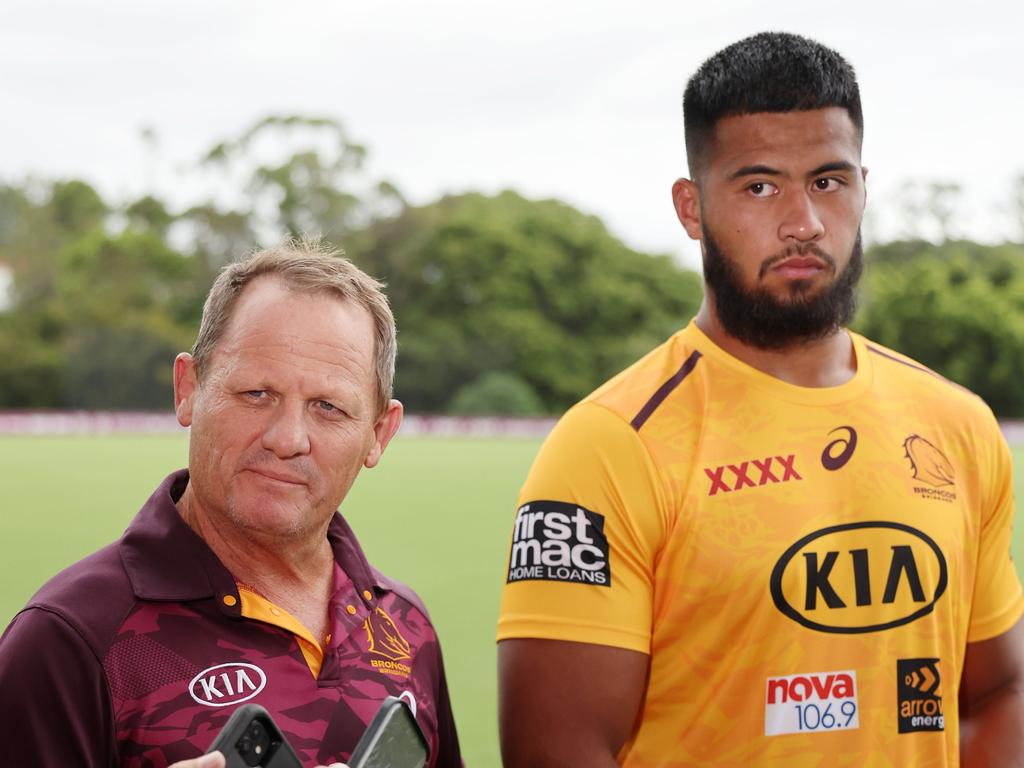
921	368
664	391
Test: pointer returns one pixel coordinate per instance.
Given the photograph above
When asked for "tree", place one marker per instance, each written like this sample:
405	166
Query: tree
957	308
96	318
1017	207
930	208
318	187
535	289
38	220
132	304
496	394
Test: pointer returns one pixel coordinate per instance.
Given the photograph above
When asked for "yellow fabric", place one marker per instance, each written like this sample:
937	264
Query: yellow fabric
255	606
691	571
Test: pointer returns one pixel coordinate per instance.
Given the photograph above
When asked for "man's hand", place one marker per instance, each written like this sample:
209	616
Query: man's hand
216	760
212	760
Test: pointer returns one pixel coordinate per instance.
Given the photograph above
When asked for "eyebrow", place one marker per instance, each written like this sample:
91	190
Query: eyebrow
839	165
755	170
767	170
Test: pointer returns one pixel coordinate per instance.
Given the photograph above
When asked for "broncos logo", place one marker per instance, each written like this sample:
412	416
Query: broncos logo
384	638
927	462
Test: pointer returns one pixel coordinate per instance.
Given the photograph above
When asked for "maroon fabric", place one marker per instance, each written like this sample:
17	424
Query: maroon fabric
131	658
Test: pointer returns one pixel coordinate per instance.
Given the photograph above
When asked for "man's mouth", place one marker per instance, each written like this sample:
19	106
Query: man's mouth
799	267
280	477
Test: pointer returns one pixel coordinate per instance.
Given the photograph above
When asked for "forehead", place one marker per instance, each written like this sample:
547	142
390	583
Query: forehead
314	333
788	141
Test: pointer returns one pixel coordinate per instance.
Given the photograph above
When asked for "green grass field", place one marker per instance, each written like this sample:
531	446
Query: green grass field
435	514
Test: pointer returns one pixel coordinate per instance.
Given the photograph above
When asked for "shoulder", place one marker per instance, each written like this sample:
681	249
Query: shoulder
93	596
658	396
400	620
895	371
403	592
670	370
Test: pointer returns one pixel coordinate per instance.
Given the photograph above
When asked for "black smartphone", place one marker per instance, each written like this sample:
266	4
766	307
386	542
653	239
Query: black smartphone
251	738
391	740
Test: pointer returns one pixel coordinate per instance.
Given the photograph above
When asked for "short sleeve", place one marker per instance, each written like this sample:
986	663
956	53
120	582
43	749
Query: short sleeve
998	600
54	707
447	755
587	529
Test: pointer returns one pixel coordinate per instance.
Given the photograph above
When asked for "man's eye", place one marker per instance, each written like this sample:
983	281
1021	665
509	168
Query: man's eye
827	184
762	189
255	394
326	406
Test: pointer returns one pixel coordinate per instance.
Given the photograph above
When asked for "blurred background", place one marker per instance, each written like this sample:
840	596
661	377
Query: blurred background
505	169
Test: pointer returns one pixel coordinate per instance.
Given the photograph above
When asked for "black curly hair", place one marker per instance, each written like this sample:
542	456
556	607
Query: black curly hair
767	72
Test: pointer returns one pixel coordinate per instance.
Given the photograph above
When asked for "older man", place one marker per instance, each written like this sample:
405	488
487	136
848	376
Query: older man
238	580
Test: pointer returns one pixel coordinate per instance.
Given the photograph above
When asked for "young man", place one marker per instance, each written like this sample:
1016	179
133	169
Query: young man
239	580
770	541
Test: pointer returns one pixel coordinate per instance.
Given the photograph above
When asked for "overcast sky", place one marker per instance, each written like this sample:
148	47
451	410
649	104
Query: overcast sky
569	99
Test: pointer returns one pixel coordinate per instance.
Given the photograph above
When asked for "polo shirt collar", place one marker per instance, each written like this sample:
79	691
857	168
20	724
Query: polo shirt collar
167	561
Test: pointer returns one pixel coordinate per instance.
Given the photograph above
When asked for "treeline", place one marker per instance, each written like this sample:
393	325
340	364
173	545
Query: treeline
504	304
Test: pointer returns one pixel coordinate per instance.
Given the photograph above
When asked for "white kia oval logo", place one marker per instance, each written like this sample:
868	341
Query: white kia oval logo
227	684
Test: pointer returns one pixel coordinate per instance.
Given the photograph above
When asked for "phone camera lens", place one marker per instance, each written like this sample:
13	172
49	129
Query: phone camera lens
254	744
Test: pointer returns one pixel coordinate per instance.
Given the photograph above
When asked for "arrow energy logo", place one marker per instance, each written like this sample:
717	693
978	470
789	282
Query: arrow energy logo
919	695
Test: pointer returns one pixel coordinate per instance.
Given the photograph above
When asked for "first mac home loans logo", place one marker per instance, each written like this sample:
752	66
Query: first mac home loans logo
556	541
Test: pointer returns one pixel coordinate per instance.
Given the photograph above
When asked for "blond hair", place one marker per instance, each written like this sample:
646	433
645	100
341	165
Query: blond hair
303	265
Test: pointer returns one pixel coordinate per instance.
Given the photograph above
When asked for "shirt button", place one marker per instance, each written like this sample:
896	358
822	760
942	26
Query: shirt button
229	600
368	594
351	609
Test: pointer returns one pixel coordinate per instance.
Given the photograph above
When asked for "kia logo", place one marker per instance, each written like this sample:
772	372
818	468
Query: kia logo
859	577
227	684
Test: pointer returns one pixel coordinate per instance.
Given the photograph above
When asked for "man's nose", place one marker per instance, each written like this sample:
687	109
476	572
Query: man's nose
287	434
801	220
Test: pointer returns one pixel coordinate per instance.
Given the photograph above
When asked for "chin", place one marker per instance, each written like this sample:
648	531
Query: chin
284	513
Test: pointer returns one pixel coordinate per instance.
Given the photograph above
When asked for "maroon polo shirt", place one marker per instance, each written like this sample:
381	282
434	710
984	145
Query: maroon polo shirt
138	654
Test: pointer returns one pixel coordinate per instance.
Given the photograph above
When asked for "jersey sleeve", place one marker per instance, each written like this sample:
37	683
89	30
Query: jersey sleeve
54	707
587	529
448	755
998	599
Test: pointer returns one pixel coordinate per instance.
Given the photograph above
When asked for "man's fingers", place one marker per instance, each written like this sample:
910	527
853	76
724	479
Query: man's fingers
212	760
217	760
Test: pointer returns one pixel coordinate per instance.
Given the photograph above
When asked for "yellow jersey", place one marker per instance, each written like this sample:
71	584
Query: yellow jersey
804	566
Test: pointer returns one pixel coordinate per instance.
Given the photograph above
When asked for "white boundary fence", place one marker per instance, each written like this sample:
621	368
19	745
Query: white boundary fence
111	422
126	422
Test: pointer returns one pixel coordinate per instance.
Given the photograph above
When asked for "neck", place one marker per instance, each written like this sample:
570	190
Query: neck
825	362
295	574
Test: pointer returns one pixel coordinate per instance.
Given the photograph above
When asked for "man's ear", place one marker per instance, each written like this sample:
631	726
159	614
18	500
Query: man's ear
383	430
185	386
686	199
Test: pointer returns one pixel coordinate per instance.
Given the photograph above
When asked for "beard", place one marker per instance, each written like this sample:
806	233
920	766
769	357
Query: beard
759	319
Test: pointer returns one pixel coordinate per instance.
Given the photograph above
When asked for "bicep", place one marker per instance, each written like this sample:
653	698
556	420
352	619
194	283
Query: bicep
992	702
53	699
990	666
567	703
